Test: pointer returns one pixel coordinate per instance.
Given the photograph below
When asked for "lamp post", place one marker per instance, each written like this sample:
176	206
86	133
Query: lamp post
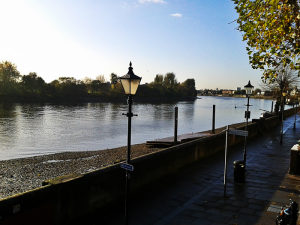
248	89
295	106
130	83
296	102
282	110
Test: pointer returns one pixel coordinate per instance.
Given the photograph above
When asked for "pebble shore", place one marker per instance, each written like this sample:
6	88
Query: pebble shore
24	174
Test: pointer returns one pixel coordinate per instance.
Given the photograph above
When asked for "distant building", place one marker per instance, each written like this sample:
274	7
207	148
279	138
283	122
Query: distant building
238	88
227	92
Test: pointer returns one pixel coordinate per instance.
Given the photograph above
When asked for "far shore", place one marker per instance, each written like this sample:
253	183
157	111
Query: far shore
241	96
95	99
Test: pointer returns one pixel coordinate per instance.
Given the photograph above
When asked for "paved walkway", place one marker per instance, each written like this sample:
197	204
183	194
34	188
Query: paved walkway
196	195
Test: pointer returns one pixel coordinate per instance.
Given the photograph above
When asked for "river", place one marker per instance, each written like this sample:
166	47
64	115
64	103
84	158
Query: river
39	129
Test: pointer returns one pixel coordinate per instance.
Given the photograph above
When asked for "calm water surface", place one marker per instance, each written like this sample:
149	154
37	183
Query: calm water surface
38	129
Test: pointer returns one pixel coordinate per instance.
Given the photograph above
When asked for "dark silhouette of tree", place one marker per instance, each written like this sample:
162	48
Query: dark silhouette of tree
96	86
170	80
69	86
9	76
158	80
66	88
113	78
189	87
32	83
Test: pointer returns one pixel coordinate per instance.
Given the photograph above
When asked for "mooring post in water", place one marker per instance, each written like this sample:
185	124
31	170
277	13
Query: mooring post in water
176	125
213	119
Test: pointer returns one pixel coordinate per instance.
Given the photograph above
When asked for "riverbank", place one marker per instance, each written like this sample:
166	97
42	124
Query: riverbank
24	174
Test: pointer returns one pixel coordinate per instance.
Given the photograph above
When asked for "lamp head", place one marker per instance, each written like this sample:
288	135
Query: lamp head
130	82
248	88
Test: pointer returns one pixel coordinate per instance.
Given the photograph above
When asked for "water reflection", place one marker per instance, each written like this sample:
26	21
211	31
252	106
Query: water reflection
33	129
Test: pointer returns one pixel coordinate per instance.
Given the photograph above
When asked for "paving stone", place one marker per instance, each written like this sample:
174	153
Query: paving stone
255	206
201	215
182	219
201	222
231	208
218	218
240	203
247	211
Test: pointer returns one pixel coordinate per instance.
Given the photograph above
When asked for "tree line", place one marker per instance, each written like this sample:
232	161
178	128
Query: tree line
13	84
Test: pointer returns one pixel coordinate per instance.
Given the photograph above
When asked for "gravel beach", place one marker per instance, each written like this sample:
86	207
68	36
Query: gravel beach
24	174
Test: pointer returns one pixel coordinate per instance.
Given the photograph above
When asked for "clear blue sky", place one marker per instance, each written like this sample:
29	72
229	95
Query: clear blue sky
87	38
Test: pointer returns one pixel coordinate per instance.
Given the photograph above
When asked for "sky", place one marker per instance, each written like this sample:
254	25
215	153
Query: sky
87	38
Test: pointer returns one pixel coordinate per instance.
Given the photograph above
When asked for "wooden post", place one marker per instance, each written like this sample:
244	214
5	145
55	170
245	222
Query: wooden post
272	107
213	119
176	125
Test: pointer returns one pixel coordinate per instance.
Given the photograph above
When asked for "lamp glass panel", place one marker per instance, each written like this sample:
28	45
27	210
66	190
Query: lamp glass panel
134	86
248	90
126	85
130	85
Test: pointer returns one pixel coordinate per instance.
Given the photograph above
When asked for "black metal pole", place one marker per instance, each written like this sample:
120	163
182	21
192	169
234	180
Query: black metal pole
129	115
246	128
272	107
295	116
176	125
213	120
281	120
225	166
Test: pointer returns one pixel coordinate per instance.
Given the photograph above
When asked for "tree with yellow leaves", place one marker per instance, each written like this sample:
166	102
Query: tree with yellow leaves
271	29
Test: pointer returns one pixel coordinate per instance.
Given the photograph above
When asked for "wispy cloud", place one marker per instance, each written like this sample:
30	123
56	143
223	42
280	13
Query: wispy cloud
176	15
154	1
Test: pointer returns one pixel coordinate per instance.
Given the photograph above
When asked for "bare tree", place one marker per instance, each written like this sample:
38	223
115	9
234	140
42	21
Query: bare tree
87	80
101	78
285	79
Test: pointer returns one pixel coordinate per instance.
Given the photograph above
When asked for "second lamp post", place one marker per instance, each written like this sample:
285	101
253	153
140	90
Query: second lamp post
248	89
282	111
130	83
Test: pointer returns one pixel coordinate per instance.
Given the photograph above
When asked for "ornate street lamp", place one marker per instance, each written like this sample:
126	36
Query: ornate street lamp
248	89
130	83
282	110
295	105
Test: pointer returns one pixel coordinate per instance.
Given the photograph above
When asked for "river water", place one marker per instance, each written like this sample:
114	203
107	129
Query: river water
39	129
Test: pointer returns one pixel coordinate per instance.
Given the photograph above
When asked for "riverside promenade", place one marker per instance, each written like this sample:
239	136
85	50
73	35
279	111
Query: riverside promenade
195	196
